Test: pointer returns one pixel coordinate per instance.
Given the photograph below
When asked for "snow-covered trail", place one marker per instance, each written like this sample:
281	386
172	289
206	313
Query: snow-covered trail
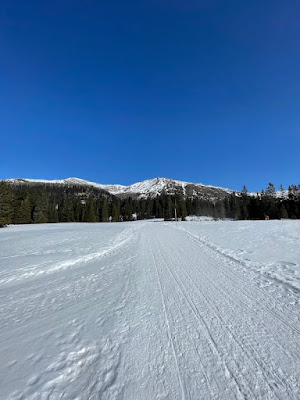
138	311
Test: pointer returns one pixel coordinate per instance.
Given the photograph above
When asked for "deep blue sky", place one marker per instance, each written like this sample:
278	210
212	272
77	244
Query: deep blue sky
122	91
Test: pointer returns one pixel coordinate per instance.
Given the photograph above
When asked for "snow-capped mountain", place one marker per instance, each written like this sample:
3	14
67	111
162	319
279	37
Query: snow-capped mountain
148	188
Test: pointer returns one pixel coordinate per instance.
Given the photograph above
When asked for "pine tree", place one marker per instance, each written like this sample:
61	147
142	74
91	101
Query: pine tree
235	210
157	208
270	202
78	206
5	204
23	215
283	212
244	191
40	212
270	191
290	193
148	208
221	210
67	214
89	215
128	210
168	208
142	212
104	211
282	192
116	213
183	209
245	204
39	217
53	213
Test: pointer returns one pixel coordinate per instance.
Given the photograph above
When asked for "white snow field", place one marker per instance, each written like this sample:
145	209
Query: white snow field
150	310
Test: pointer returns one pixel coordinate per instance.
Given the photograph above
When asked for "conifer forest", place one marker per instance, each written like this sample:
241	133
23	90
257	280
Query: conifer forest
41	203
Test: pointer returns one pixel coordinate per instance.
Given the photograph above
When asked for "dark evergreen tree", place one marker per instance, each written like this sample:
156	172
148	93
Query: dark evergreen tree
67	212
148	208
104	211
182	212
219	210
53	213
168	208
40	215
270	191
270	203
89	214
127	210
283	212
5	204
116	212
245	204
23	215
282	192
78	210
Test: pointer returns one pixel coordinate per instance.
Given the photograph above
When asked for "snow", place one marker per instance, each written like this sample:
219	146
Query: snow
70	181
278	194
150	310
150	187
271	248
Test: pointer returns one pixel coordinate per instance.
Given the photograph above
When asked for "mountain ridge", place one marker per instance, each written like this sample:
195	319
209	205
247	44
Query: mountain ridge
147	188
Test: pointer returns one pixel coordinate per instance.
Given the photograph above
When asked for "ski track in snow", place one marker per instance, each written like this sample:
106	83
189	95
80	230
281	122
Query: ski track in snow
143	310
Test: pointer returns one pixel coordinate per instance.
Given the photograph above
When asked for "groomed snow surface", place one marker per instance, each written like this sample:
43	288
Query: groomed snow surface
150	310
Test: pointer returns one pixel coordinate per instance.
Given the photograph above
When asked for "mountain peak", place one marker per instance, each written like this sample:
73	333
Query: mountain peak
148	188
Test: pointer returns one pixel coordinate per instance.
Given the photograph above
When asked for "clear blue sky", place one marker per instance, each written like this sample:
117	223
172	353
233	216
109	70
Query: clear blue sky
122	91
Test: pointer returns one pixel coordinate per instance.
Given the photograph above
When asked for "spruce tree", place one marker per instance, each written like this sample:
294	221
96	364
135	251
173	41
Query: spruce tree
148	208
245	204
116	212
128	210
67	211
23	215
40	209
283	212
168	208
270	191
244	191
77	206
282	192
5	204
104	211
89	215
270	202
183	209
53	213
221	209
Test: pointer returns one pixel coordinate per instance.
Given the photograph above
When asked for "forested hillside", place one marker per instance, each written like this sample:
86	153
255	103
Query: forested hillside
42	203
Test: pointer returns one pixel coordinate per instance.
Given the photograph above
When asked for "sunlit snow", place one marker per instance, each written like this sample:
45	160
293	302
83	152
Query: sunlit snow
150	310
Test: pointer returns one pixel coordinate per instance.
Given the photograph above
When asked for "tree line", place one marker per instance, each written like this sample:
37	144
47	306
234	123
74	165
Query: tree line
42	203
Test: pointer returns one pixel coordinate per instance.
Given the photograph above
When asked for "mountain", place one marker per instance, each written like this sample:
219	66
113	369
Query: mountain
148	188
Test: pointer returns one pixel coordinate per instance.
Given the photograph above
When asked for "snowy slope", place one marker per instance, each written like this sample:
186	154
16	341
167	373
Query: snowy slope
152	187
279	194
69	181
148	310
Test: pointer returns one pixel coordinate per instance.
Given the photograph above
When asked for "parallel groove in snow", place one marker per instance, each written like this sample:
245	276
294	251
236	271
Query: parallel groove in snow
163	315
223	323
